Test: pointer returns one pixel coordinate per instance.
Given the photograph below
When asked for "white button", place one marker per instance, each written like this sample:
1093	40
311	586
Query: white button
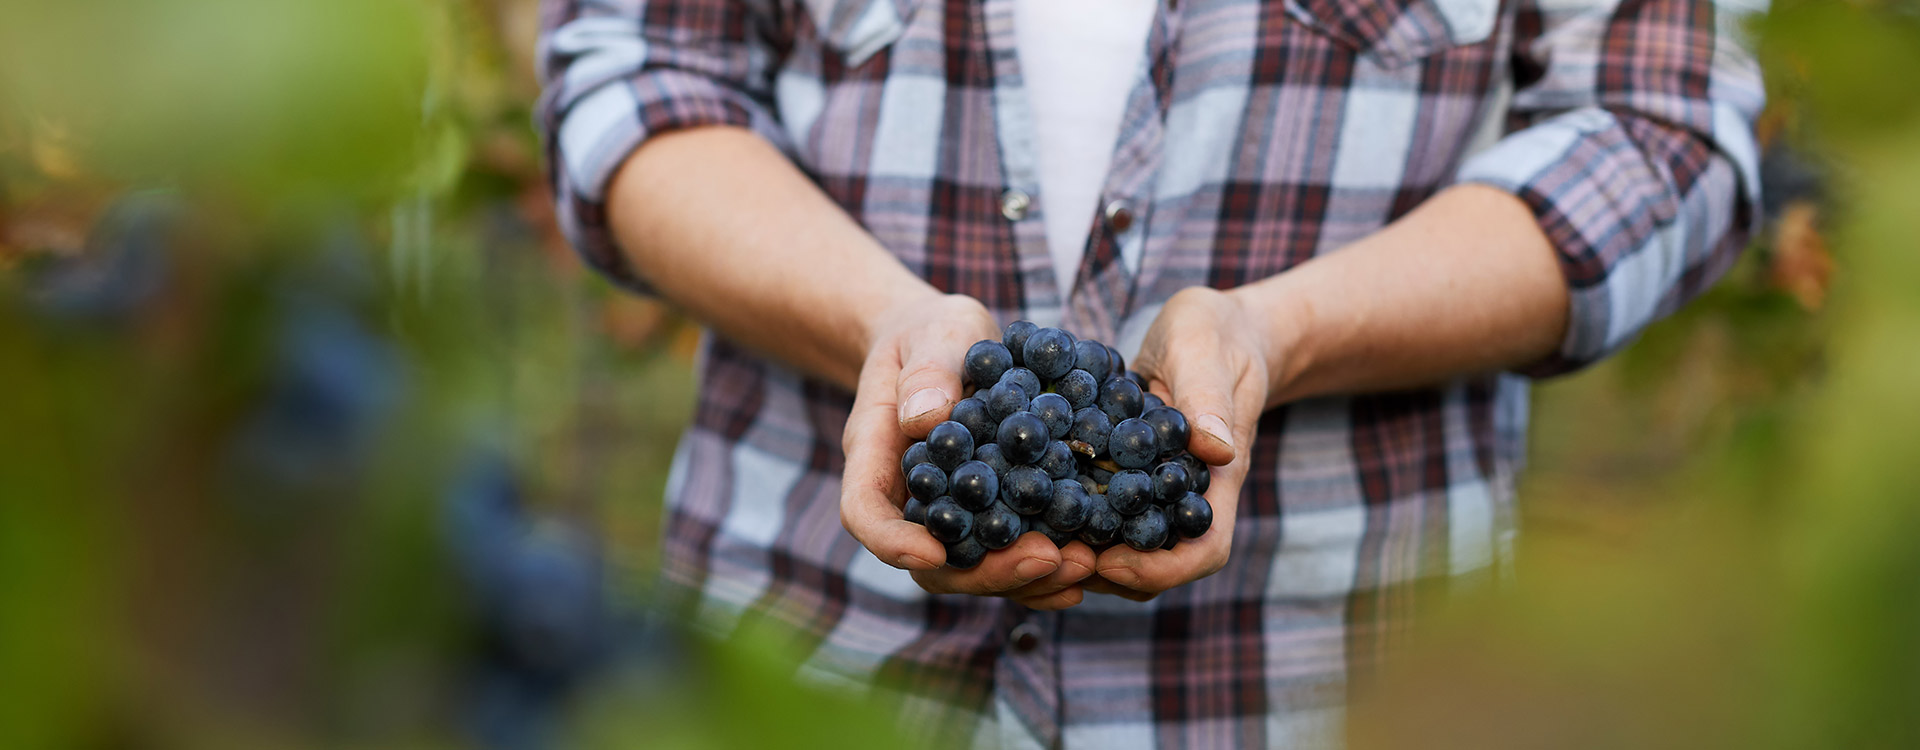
1119	216
1025	637
1014	204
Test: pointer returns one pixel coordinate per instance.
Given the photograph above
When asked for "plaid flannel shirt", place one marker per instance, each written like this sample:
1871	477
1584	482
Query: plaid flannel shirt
1257	135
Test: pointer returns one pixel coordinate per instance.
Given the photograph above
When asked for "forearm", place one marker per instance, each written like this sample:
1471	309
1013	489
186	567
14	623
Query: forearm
1465	283
723	225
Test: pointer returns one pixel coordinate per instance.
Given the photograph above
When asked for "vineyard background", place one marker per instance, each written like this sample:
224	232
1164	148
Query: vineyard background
295	357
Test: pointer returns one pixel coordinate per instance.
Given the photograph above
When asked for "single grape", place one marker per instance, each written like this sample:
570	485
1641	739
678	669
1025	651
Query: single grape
1053	409
1057	462
949	445
1147	531
986	361
1091	429
1171	426
1121	399
947	521
1099	475
916	510
927	482
1133	444
965	553
1067	511
1079	387
989	453
1190	516
1152	401
1023	437
972	412
1092	356
1027	489
974	485
1049	353
1058	537
1016	338
1119	363
1103	523
1130	492
1173	540
996	527
1028	382
1138	379
1004	400
1169	482
1199	477
916	454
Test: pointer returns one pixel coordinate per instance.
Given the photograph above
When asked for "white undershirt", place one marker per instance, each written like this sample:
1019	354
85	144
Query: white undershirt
1078	59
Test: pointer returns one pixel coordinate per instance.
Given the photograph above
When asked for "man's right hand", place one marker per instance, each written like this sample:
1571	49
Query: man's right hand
908	384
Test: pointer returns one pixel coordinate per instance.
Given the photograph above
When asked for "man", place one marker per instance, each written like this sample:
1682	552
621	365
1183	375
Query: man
1280	211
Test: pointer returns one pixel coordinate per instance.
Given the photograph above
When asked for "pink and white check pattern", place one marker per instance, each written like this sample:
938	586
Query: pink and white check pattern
1257	135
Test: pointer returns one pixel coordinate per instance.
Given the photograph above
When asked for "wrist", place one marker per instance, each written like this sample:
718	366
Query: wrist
1280	322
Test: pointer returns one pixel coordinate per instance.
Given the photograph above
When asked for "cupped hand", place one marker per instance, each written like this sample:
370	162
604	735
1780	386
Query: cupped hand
1206	356
908	384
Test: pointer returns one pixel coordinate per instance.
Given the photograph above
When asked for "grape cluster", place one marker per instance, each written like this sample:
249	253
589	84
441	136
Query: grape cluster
1056	436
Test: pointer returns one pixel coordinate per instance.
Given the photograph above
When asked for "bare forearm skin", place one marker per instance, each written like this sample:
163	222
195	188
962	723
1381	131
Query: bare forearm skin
1465	283
722	224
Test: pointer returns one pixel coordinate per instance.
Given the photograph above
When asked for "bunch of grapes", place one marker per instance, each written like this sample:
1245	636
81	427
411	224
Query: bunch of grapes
1056	436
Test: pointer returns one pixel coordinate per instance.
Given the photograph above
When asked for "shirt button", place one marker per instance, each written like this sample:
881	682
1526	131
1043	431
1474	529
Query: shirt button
1014	204
1119	216
1025	637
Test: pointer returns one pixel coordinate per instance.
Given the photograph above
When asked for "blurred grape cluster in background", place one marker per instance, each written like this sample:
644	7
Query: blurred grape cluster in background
313	433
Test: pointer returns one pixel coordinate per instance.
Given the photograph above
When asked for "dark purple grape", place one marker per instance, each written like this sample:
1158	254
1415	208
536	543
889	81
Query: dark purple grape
1049	353
986	361
1171	426
1121	399
1133	444
974	485
1067	510
1146	531
1092	356
927	482
916	454
1138	379
1016	339
1173	540
989	453
1190	516
1080	388
1053	409
1199	477
996	527
1152	401
1058	537
1057	462
916	510
950	444
1027	489
1004	400
1169	482
972	412
1099	475
1028	382
965	553
1091	428
1023	437
1119	363
1103	523
947	521
1130	492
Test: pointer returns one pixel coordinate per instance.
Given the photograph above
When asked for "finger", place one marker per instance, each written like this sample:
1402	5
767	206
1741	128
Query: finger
1191	560
1031	558
1061	599
929	383
871	486
1076	565
1103	586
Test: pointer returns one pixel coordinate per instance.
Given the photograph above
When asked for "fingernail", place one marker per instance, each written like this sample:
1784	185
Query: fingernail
923	401
1215	427
1032	568
911	562
1123	576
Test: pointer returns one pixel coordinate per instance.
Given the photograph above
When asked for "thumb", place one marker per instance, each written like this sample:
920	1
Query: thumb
1205	395
930	380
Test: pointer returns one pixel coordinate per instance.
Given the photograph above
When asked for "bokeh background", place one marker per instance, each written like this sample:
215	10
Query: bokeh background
313	433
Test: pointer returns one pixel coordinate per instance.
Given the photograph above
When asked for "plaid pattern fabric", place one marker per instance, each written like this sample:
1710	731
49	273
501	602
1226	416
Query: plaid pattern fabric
1257	135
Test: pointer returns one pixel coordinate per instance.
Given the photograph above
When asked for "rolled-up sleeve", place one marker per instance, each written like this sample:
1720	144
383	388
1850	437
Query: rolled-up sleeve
1631	139
617	72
